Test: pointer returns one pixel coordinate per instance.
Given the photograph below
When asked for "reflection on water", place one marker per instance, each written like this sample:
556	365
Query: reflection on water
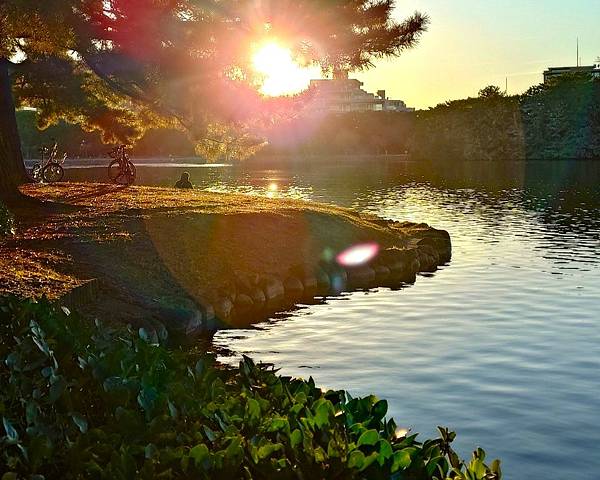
503	344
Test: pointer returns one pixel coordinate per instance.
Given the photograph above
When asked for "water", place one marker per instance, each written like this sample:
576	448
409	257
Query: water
502	344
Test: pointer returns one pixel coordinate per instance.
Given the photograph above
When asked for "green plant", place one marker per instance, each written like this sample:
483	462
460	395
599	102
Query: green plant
6	221
81	400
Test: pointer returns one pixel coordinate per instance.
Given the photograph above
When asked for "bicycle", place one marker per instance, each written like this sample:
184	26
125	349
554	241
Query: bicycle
121	170
50	168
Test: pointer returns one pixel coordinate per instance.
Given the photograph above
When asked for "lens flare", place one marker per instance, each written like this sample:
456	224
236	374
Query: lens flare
280	71
358	254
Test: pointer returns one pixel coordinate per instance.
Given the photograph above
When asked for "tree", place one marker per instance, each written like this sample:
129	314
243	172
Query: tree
121	66
491	92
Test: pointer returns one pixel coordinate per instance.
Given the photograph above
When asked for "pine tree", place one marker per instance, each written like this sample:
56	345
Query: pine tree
121	66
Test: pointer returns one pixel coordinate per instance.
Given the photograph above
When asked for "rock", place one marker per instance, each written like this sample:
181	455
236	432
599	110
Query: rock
339	280
223	309
273	290
181	321
402	263
310	284
323	282
243	305
361	277
258	298
382	274
208	312
293	288
245	282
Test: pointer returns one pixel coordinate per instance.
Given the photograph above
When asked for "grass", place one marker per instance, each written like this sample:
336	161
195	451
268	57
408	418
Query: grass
151	245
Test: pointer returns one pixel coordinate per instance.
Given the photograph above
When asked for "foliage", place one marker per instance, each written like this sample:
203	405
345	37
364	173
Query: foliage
79	400
491	92
555	120
122	66
80	144
349	133
7	226
561	119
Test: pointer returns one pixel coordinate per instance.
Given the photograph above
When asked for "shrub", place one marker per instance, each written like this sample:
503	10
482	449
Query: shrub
6	221
81	400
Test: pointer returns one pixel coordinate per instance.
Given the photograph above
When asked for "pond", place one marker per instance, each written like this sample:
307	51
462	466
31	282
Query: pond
501	345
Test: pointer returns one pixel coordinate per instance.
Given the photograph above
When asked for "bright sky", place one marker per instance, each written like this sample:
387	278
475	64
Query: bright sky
474	43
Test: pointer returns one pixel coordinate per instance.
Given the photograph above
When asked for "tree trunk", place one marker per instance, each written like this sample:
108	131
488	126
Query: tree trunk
12	168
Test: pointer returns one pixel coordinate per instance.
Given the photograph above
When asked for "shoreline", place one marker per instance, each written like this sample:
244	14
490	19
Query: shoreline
193	262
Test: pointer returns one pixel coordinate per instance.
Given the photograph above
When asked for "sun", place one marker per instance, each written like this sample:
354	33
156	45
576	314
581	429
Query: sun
280	73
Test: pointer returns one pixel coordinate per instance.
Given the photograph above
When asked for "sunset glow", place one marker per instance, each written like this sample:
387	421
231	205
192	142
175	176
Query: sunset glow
281	74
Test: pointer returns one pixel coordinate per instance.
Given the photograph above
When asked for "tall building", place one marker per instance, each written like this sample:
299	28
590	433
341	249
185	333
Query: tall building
343	94
554	72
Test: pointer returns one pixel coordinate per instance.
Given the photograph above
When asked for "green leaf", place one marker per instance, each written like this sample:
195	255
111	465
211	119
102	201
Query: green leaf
370	437
11	433
199	453
320	455
385	449
322	410
356	459
252	409
31	412
210	434
432	465
172	409
199	368
59	385
401	460
379	409
148	337
295	438
278	423
234	449
80	421
268	449
495	468
150	451
147	397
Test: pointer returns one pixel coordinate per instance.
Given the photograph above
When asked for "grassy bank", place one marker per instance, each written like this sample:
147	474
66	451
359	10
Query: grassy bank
81	400
186	258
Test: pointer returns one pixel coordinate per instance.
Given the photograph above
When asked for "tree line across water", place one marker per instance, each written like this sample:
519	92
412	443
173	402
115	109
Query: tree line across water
560	119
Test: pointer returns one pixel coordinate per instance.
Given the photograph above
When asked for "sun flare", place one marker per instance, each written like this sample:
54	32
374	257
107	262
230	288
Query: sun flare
280	73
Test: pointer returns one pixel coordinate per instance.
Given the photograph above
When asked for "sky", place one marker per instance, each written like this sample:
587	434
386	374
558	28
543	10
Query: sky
474	43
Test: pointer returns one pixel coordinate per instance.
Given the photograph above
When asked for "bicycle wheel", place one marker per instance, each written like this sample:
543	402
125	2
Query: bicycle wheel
53	172
132	172
114	170
125	175
36	172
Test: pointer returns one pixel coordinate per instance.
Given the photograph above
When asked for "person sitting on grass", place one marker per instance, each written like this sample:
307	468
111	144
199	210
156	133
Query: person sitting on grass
184	181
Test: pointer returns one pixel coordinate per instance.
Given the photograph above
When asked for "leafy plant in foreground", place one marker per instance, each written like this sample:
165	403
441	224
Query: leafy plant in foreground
79	400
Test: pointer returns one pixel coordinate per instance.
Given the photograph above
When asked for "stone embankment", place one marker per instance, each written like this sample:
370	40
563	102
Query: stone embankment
253	297
190	262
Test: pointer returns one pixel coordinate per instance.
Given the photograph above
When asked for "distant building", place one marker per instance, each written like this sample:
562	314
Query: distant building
554	72
343	94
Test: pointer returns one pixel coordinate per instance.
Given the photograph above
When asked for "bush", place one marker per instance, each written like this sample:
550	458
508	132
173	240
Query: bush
80	400
6	221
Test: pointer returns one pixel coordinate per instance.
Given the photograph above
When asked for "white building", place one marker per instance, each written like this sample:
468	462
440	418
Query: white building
554	72
343	94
